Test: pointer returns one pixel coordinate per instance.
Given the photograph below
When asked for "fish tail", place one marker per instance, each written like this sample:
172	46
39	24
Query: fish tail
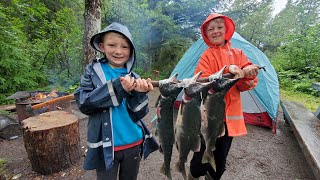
181	168
167	153
209	158
166	171
205	159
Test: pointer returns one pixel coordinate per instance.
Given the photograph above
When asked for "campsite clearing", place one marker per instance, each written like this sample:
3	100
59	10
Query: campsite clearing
258	155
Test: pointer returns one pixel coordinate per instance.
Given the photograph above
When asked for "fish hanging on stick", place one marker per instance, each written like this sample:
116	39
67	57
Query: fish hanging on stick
213	109
187	129
169	90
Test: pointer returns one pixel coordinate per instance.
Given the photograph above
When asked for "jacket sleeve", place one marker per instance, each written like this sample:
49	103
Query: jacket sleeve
90	98
137	103
246	83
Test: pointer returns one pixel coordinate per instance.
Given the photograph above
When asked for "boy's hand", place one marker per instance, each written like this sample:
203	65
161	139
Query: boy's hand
128	83
238	73
143	85
251	70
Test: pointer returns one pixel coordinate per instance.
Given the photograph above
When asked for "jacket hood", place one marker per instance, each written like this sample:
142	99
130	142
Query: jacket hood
119	28
230	27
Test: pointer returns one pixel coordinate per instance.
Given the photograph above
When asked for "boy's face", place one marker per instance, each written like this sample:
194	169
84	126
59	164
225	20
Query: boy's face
216	31
116	48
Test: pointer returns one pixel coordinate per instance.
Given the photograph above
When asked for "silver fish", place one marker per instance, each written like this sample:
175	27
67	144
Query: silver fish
169	90
187	129
213	109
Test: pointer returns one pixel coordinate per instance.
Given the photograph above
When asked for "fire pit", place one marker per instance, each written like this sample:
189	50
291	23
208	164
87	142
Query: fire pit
31	98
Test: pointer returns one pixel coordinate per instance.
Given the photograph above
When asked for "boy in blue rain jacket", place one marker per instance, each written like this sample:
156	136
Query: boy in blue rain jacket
115	99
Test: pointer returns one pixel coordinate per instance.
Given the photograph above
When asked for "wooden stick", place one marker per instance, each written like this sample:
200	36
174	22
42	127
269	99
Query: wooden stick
202	80
154	83
71	96
55	100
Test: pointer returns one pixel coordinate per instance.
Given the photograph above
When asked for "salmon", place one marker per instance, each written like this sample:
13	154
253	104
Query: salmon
213	109
169	90
187	129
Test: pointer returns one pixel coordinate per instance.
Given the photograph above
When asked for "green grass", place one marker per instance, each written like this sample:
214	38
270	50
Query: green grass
309	101
2	163
4	113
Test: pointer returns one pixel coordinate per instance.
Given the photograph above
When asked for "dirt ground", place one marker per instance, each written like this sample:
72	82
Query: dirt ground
260	155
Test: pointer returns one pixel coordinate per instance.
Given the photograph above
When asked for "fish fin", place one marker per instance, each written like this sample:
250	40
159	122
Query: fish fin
197	145
160	149
205	159
158	113
223	132
204	96
156	131
181	108
177	146
157	101
180	167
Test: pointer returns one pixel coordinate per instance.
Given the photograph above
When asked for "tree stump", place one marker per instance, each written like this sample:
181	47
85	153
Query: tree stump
52	141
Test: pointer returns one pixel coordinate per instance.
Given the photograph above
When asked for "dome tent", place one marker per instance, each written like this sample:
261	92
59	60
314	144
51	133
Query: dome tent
260	105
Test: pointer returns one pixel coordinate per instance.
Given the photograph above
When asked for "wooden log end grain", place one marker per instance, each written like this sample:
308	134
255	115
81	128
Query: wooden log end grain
52	141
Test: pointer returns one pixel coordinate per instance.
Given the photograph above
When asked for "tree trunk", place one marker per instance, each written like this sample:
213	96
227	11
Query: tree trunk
52	141
92	23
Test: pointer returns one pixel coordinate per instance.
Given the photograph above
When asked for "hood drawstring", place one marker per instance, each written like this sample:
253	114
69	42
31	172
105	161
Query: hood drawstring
229	50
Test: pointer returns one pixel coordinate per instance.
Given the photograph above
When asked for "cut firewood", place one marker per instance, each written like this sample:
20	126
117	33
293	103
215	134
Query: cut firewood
10	107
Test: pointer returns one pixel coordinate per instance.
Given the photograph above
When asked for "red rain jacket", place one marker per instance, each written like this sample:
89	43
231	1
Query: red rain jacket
215	58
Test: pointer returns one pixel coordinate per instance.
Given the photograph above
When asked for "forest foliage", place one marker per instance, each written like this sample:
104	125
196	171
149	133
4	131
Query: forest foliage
41	40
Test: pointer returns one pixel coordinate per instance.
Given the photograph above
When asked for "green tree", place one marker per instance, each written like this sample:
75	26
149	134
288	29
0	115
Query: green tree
41	44
297	62
158	25
301	51
252	20
58	53
16	72
296	18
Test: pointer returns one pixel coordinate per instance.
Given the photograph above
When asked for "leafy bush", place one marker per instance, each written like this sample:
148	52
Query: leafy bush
143	73
2	163
297	62
295	81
